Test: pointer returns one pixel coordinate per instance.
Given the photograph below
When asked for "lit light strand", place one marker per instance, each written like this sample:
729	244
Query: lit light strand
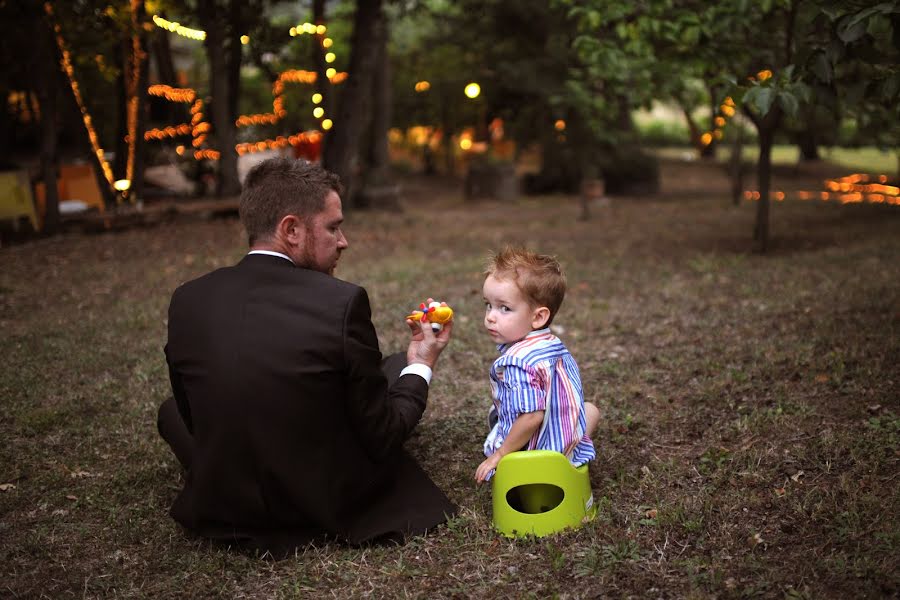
851	189
66	64
178	28
199	129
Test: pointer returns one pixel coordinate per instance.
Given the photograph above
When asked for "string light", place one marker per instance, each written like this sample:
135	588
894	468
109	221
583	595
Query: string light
850	189
66	63
422	86
175	27
199	129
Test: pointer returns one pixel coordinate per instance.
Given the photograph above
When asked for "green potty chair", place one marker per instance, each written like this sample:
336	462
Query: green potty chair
539	492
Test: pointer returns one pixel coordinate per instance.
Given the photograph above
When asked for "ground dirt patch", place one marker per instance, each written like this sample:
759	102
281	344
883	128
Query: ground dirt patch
751	404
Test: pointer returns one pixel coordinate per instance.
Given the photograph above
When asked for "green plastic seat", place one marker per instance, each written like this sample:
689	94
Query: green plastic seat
539	492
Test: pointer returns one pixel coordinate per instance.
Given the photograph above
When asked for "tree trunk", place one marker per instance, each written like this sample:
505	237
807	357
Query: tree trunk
121	144
223	127
379	190
323	86
342	144
162	52
764	179
693	130
709	150
809	150
736	165
448	128
143	62
47	97
233	59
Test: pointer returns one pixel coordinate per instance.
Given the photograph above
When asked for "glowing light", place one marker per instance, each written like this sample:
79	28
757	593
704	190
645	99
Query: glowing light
245	39
472	90
326	124
175	27
66	64
706	139
318	112
423	86
465	143
720	121
327	42
122	184
765	74
321	29
330	72
560	125
316	98
329	58
293	32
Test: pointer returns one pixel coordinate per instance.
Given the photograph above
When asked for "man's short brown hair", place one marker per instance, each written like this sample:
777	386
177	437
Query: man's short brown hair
538	276
278	187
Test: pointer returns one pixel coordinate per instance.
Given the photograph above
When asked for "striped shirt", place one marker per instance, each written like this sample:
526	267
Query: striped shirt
538	373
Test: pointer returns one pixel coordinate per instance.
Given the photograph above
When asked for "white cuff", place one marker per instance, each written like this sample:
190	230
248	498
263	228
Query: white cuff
423	371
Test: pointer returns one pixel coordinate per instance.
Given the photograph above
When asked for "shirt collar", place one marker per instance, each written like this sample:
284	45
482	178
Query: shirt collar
271	253
502	348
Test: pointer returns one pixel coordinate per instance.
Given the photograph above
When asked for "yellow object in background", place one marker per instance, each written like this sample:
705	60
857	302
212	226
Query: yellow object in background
16	199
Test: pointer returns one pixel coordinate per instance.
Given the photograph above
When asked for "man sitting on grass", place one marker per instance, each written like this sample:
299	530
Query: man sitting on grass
288	423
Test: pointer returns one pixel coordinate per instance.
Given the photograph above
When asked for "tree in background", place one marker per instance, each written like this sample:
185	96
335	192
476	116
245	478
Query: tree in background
341	153
774	57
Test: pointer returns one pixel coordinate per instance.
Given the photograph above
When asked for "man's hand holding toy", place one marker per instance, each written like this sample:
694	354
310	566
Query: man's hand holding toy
430	311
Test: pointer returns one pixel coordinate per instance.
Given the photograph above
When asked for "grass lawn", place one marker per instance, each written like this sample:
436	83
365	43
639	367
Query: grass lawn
866	160
749	447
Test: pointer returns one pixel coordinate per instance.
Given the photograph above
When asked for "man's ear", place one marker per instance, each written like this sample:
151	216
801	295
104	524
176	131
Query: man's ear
291	229
540	317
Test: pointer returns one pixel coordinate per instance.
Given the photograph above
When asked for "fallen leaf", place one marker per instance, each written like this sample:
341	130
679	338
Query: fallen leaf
821	378
779	492
71	497
754	540
796	476
651	514
5	487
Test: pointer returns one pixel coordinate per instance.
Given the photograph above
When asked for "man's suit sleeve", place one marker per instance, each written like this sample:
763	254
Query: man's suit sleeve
382	418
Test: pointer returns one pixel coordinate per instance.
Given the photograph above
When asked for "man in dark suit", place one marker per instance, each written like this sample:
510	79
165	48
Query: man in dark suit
288	423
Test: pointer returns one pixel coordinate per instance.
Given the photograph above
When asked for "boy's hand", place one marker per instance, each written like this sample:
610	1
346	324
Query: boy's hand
485	468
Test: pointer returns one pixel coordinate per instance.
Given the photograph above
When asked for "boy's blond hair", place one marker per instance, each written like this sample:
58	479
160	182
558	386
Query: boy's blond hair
538	276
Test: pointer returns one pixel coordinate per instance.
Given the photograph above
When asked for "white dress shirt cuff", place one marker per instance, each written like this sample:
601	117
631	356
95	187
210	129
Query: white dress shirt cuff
423	371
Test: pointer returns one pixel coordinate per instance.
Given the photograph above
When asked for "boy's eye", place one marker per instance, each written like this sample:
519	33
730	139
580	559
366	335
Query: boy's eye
504	309
487	306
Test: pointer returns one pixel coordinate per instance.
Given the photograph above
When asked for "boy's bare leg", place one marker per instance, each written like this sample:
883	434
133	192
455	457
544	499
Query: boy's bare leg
591	418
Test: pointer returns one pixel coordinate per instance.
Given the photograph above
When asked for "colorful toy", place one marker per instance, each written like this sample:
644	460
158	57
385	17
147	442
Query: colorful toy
436	313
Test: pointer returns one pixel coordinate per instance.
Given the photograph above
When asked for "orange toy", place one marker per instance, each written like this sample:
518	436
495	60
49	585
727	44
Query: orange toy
436	313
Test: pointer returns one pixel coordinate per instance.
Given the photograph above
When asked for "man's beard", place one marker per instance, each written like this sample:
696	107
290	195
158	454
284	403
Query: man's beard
308	257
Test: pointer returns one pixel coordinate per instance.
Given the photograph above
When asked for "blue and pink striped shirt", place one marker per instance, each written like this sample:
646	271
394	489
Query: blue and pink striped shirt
539	373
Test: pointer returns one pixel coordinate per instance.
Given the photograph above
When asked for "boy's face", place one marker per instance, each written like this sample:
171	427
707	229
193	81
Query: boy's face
508	317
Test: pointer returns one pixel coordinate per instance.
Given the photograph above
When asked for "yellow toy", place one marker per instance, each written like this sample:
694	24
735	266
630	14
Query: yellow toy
436	313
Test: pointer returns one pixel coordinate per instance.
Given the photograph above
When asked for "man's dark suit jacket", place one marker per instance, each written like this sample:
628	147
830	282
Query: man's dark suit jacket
297	436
